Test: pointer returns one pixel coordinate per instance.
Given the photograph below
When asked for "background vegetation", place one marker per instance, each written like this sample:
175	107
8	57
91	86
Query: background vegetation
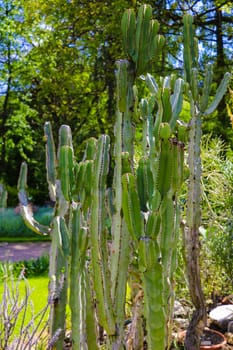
57	63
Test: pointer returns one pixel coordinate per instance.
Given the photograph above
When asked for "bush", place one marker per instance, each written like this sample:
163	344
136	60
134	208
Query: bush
12	224
30	268
217	208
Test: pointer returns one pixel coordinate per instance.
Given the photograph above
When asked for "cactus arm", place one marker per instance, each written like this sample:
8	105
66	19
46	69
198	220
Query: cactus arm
66	166
50	160
91	333
128	27
153	294
128	131
77	277
219	94
163	181
143	34
65	137
58	297
117	219
66	162
122	85
123	263
157	41
100	272
151	84
206	88
89	153
176	100
189	53
167	108
25	209
78	302
120	236
65	237
166	234
144	111
131	206
144	183
166	243
125	101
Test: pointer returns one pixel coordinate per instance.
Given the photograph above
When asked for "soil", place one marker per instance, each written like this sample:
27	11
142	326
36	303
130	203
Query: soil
23	251
210	338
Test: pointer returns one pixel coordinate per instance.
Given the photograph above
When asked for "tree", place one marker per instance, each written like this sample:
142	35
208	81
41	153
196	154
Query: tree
58	64
16	139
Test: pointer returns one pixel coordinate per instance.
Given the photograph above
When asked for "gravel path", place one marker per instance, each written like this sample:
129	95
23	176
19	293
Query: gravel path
23	251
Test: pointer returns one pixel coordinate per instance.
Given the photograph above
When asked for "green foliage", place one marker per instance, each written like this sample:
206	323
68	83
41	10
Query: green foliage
216	230
19	136
217	185
30	268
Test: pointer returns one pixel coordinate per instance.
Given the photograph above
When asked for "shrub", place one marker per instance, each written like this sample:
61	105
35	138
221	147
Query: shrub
217	233
30	268
16	332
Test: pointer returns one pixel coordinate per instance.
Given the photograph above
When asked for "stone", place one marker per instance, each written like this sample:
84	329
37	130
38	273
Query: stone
222	316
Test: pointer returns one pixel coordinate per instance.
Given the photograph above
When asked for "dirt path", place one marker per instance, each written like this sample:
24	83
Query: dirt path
23	251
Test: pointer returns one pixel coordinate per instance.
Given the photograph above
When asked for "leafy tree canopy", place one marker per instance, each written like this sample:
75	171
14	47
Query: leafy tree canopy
57	63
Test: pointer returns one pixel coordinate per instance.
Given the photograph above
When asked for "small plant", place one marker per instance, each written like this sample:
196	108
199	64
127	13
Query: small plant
32	267
15	332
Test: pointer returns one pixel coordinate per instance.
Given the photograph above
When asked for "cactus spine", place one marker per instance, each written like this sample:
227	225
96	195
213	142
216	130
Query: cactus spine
200	107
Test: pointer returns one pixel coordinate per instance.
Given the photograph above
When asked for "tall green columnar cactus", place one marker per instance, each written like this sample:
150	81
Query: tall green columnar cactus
3	197
58	262
201	106
69	186
142	45
73	182
150	204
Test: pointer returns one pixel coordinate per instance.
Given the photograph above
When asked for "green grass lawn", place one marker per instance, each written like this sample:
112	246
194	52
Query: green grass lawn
24	239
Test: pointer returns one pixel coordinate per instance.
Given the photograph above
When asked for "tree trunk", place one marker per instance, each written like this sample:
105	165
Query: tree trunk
192	242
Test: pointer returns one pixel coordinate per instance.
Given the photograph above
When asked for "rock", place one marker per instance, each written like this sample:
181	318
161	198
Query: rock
181	315
222	316
230	327
180	310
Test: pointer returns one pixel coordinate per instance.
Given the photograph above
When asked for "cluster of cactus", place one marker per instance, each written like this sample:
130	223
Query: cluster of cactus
141	40
89	235
150	203
142	45
201	106
94	223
